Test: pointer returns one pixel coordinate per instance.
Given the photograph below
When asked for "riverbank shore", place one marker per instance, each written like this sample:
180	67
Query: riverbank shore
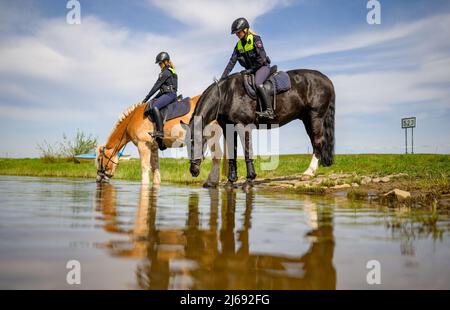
413	179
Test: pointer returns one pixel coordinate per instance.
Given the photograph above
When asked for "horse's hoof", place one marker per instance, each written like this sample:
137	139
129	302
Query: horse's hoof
229	185
306	177
232	179
251	177
247	184
210	184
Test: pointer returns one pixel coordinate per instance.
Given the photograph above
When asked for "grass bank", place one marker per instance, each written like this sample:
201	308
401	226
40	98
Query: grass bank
422	168
367	177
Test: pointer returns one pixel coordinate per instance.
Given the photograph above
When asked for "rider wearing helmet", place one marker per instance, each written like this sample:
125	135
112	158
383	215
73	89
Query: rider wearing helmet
250	53
167	85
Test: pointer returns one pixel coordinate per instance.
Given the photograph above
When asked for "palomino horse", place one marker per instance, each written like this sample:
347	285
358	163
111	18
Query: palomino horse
134	126
310	99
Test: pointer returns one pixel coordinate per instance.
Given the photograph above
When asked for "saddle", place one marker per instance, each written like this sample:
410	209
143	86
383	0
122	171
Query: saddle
277	82
179	107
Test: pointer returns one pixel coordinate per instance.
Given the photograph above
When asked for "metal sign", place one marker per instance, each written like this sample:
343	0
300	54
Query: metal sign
409	122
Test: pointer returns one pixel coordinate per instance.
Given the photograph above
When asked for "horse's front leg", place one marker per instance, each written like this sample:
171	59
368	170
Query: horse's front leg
231	139
144	155
246	141
216	154
214	174
154	161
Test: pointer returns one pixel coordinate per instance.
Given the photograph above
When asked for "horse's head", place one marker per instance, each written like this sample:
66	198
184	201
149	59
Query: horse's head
206	110
196	145
106	161
209	136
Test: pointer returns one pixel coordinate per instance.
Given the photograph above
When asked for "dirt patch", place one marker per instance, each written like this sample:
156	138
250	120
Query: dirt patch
392	190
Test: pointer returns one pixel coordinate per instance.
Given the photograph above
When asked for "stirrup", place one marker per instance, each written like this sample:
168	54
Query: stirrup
159	139
161	144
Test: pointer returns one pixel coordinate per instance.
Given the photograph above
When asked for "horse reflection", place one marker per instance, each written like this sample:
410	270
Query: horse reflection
217	256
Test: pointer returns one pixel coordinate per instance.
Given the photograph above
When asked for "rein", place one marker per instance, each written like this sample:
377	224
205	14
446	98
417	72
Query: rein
220	97
196	161
102	169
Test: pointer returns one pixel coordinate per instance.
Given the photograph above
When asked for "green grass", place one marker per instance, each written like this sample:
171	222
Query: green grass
428	169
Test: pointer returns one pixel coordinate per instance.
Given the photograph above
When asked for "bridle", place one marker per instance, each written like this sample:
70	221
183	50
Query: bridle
197	161
102	169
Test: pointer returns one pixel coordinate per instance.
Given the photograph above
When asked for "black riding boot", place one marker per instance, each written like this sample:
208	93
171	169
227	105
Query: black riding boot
267	110
251	174
232	170
158	134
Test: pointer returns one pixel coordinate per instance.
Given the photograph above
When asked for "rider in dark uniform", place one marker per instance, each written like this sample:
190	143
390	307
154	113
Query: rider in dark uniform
167	85
250	53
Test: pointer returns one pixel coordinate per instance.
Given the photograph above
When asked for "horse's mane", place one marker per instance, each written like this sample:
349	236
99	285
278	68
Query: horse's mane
211	86
214	83
124	115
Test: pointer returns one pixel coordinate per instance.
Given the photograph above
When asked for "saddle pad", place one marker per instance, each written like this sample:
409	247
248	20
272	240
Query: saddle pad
280	81
175	109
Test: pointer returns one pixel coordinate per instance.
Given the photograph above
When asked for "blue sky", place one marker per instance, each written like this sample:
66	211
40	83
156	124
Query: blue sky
56	77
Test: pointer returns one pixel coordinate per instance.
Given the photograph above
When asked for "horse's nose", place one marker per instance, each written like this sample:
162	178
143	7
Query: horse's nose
99	178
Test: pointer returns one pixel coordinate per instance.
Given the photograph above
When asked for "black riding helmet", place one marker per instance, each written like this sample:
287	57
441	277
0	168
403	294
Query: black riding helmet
161	57
239	24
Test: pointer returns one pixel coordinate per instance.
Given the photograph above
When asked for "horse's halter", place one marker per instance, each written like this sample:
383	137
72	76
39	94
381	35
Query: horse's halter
102	169
196	161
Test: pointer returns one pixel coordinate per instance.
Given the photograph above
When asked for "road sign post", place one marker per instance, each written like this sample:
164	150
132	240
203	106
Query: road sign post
409	122
406	141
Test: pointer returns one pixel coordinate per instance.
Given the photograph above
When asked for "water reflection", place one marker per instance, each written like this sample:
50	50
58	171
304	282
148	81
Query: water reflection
219	255
181	237
411	227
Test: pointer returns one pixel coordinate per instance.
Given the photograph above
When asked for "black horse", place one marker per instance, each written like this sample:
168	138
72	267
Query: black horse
310	99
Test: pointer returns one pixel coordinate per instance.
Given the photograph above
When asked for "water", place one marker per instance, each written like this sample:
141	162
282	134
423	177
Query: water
133	237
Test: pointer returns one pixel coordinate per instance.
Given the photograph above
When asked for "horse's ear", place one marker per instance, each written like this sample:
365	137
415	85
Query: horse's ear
97	149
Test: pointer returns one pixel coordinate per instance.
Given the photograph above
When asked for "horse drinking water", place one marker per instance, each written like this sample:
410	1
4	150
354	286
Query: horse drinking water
134	126
311	98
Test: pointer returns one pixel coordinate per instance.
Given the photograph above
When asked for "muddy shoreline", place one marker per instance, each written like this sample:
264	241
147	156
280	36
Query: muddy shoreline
394	190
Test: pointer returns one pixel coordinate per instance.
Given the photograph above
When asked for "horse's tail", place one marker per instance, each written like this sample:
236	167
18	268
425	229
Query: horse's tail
327	151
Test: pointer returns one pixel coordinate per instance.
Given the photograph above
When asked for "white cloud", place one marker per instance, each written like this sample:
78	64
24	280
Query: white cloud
50	70
216	16
100	60
425	27
39	113
96	69
380	91
401	65
93	60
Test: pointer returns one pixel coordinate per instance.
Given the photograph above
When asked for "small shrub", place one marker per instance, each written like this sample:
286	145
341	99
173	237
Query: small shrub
67	149
82	143
49	154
